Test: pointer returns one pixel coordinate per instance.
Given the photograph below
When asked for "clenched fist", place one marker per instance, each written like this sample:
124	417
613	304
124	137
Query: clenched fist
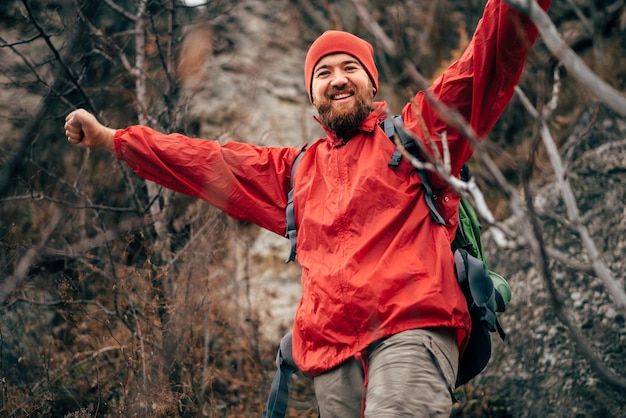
81	127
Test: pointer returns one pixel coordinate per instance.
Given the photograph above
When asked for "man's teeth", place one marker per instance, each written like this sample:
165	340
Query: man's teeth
341	96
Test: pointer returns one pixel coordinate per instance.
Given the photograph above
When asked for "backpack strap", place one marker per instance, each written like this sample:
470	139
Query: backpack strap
276	406
395	125
290	218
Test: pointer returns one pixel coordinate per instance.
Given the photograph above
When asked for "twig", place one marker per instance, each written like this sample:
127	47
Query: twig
66	69
57	303
573	215
599	266
123	12
100	240
35	196
23	266
574	65
66	367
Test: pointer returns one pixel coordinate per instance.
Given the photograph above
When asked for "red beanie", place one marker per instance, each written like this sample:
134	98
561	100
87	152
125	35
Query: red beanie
335	42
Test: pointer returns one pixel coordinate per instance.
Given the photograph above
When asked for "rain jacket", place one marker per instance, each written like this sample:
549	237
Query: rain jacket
374	263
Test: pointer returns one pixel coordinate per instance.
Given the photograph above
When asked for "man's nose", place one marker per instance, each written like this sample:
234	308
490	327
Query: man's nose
339	79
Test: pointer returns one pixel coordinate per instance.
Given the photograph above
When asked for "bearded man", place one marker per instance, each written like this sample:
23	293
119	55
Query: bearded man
381	321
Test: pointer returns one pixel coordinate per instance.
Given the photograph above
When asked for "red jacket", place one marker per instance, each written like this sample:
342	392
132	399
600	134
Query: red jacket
373	261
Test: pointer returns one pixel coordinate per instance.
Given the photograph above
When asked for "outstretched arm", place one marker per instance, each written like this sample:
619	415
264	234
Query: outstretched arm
81	127
246	182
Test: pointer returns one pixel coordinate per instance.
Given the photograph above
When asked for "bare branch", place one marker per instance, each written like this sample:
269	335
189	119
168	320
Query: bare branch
96	31
12	45
599	266
140	57
568	261
527	222
59	302
573	215
123	12
526	102
154	190
72	363
40	196
66	69
12	282
78	249
540	254
574	65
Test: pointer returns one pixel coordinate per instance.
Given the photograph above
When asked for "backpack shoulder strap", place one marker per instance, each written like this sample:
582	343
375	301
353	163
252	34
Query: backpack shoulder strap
276	406
395	125
290	218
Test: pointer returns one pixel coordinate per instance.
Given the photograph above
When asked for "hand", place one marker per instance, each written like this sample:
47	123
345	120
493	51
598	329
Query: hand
81	127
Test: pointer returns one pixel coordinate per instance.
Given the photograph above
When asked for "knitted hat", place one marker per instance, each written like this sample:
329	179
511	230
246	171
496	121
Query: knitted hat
335	42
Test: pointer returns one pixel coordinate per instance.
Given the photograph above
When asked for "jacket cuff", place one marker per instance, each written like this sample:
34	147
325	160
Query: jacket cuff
119	146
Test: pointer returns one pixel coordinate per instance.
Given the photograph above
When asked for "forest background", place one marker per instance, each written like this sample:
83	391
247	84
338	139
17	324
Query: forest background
121	299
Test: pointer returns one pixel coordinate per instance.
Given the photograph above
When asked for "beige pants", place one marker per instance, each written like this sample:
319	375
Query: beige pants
410	374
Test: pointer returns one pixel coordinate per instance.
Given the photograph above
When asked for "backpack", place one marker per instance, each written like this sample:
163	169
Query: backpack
486	291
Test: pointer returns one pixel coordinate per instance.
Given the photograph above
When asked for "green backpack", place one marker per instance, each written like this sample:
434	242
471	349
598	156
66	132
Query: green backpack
486	291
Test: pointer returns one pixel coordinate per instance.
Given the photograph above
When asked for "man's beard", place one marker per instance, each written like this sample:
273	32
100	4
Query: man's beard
343	120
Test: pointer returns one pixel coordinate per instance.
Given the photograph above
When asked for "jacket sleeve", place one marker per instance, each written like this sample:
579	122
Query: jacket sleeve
246	182
480	84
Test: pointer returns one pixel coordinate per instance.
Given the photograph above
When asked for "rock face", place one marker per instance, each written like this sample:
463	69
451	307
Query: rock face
538	370
254	86
254	92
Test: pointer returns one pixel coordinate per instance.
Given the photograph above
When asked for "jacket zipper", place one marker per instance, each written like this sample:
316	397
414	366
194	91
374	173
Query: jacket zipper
343	234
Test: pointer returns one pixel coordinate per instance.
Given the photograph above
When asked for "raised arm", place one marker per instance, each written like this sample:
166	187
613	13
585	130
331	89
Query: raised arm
480	84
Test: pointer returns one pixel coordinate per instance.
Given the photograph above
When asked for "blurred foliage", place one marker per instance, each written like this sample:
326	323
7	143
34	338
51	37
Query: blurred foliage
102	326
475	402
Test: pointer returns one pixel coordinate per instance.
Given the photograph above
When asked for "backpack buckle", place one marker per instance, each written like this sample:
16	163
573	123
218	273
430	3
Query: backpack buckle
395	159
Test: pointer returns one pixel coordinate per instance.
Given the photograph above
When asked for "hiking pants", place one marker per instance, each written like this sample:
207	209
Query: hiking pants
410	374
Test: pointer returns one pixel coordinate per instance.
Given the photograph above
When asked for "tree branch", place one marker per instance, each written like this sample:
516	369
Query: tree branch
8	286
569	199
527	222
572	62
66	69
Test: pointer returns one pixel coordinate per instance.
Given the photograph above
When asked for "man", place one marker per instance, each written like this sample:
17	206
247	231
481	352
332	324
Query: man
382	320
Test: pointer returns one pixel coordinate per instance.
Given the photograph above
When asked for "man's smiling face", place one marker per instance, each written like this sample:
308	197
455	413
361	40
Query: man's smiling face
342	92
